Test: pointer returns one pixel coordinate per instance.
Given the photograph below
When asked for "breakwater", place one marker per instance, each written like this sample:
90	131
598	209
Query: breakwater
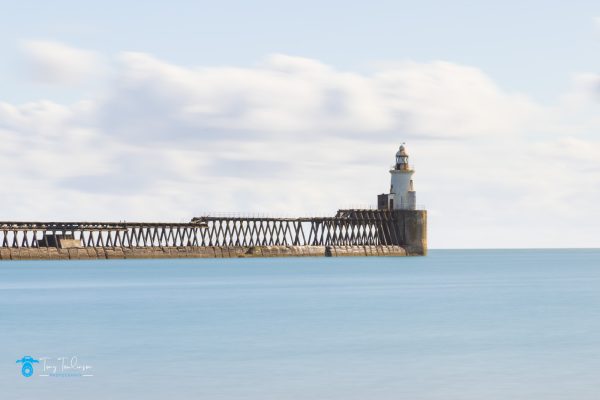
348	233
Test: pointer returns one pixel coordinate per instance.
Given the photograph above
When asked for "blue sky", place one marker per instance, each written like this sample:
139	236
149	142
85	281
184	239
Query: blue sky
161	110
531	46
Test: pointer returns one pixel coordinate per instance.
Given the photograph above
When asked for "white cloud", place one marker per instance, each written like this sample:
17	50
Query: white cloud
585	88
290	95
56	63
296	136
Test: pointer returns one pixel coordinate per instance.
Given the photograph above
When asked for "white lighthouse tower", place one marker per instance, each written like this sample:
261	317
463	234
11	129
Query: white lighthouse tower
402	195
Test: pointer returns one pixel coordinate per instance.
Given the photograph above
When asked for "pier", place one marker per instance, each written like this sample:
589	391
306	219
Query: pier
348	232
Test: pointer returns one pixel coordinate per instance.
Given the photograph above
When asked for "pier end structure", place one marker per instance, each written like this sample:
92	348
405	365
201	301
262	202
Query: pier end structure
415	227
402	201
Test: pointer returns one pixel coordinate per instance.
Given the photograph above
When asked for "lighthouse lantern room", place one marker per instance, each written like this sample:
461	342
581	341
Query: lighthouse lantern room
402	195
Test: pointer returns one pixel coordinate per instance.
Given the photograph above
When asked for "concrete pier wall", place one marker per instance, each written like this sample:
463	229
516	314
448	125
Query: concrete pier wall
413	225
92	253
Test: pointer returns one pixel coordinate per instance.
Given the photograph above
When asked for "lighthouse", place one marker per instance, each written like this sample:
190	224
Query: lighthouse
402	195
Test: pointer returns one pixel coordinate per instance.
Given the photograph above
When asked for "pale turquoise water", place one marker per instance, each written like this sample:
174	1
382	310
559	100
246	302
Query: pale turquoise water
511	324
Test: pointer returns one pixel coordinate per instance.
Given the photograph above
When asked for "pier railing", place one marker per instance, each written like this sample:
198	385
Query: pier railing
347	227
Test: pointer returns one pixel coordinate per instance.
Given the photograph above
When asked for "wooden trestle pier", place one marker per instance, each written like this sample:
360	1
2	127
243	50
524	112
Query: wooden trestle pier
347	228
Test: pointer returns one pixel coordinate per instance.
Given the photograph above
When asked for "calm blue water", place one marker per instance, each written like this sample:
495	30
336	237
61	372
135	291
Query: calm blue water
511	324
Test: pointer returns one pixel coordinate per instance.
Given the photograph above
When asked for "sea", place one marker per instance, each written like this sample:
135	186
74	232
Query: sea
456	324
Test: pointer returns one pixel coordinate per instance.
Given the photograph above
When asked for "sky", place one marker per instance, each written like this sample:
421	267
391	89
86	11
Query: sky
162	111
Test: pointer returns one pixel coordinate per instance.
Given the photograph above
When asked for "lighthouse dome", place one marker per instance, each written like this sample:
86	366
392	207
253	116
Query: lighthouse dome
402	150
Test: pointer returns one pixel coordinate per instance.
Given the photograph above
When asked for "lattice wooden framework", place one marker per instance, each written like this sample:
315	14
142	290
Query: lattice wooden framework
347	227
